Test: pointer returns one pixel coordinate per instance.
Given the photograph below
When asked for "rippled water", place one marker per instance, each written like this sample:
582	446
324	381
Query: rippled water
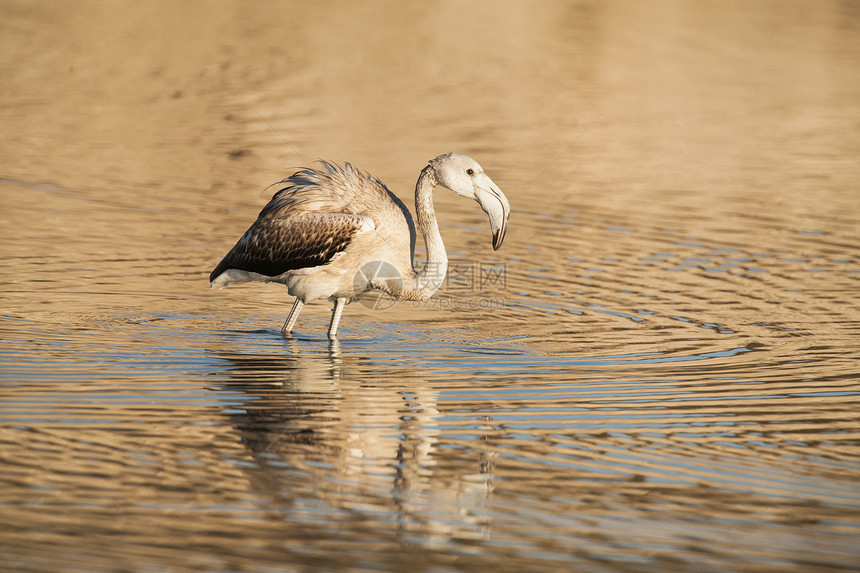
658	370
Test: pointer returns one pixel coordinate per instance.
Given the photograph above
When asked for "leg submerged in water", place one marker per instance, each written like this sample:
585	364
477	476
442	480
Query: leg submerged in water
335	317
291	318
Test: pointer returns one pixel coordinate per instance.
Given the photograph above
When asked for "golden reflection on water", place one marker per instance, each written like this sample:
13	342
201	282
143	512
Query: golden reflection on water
668	380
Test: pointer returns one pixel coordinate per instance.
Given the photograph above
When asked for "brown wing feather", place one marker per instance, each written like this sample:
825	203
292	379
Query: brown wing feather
273	245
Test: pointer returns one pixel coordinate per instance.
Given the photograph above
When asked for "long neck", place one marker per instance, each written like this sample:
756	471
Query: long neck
429	278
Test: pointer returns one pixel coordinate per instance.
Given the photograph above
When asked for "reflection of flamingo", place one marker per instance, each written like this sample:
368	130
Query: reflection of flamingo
337	233
319	435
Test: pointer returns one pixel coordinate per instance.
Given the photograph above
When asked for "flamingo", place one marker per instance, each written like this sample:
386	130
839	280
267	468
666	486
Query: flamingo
337	233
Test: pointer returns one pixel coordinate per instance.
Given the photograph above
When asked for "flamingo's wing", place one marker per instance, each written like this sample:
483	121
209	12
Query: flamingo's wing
273	245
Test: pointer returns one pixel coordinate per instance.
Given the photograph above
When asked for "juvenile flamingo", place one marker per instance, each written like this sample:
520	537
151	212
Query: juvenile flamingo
337	233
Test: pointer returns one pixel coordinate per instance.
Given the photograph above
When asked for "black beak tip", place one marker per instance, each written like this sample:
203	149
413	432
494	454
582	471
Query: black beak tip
498	237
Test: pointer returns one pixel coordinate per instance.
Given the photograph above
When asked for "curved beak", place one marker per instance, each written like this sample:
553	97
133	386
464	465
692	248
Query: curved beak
495	205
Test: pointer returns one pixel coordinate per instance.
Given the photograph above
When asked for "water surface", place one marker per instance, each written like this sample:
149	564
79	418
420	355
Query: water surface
658	370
